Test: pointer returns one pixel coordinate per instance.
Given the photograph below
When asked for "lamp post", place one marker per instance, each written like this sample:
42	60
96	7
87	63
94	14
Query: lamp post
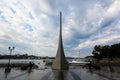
8	69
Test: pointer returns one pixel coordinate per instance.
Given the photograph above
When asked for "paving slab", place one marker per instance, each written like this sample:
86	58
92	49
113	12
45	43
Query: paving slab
78	73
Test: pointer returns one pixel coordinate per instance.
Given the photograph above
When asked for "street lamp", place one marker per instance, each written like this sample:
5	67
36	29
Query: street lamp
8	69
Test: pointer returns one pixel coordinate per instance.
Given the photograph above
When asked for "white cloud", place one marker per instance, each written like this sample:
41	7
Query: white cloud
114	8
33	26
102	41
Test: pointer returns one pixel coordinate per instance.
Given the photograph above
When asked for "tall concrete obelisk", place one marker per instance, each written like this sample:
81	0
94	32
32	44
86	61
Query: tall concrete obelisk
60	62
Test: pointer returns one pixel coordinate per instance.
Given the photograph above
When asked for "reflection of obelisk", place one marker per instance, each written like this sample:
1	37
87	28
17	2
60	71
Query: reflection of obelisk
60	62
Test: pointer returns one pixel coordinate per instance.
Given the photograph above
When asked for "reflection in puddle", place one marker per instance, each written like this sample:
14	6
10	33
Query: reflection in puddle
59	75
6	74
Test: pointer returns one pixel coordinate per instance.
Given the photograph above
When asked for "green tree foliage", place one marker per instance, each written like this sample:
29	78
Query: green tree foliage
115	50
106	51
96	51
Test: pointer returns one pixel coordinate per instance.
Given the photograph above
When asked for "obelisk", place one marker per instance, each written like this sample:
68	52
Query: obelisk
60	62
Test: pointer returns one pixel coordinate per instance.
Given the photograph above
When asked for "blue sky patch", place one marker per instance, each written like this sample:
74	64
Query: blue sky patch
30	15
0	12
29	27
13	11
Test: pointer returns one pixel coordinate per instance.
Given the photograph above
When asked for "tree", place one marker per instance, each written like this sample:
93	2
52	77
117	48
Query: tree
106	51
96	52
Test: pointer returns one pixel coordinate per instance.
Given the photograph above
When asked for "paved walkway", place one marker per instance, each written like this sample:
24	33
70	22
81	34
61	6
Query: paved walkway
47	74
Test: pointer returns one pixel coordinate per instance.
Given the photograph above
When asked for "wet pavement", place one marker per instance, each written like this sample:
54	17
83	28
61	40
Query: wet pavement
74	73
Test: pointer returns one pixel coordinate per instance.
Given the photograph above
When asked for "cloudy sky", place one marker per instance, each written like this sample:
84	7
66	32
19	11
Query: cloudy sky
32	26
